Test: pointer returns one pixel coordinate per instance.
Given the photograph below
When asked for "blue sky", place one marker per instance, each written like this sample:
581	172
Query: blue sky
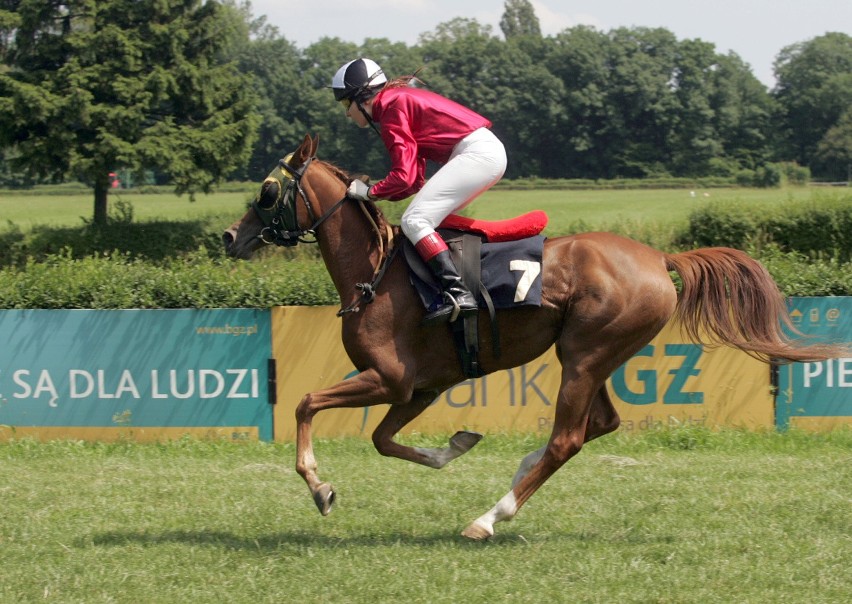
754	29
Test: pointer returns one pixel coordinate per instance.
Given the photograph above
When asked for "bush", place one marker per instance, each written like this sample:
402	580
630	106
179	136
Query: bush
800	275
767	176
822	227
745	178
194	280
154	240
658	182
717	224
795	174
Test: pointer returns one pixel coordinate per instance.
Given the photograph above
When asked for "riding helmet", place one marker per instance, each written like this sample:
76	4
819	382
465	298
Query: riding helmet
358	80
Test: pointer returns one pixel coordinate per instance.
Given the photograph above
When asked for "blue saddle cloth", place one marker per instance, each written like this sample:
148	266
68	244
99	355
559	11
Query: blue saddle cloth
510	272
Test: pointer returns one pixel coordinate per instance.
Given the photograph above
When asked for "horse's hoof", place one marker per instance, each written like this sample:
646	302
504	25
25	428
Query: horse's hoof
324	498
464	441
477	532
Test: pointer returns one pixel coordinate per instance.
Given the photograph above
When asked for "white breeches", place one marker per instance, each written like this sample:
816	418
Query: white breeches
477	162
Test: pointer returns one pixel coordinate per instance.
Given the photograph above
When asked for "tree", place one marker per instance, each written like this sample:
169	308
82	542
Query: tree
642	109
275	65
743	109
693	138
834	152
580	58
89	86
519	19
814	90
500	81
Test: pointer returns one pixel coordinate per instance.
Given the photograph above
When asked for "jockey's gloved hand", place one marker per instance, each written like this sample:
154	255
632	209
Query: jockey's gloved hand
359	190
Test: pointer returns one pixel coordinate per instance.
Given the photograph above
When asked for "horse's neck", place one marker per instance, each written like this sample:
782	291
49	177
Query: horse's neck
348	244
348	240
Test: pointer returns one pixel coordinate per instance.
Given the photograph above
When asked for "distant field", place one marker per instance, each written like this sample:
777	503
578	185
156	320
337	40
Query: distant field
565	208
607	207
25	211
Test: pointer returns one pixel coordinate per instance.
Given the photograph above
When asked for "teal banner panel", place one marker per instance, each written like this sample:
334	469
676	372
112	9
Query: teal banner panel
136	368
814	393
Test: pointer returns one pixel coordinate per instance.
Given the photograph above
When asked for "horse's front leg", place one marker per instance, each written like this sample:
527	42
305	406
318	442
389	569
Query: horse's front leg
362	390
399	416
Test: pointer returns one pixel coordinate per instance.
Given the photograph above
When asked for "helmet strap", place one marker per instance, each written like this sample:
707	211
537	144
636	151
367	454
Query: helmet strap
367	117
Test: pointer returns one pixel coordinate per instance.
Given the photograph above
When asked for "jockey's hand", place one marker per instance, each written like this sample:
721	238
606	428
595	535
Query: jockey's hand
359	190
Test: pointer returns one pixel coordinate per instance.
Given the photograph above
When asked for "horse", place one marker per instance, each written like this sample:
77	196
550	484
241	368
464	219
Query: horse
604	297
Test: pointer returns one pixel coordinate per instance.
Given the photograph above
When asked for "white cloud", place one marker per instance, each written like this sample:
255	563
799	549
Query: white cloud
554	21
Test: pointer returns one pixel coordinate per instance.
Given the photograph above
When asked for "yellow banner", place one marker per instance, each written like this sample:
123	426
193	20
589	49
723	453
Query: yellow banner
670	382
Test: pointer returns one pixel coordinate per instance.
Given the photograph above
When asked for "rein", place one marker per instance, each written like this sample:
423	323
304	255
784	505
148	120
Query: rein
281	225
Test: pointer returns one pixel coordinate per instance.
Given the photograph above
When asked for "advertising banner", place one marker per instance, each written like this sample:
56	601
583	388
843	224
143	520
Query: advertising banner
141	374
818	395
674	382
669	382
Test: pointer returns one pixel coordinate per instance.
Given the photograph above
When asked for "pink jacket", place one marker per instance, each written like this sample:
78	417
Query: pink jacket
417	125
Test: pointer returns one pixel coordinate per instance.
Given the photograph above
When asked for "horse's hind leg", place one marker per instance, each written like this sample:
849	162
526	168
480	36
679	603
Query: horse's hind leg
570	424
399	416
603	419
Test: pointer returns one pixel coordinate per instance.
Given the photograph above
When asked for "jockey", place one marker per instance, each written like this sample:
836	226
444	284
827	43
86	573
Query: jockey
418	125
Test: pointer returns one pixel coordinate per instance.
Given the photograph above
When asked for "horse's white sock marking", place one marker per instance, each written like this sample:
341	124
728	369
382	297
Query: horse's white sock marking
505	509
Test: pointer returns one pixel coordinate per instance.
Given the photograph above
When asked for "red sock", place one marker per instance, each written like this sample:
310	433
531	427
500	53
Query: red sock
430	246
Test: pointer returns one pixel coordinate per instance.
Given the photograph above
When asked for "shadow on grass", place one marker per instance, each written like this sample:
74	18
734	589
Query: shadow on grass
297	540
273	542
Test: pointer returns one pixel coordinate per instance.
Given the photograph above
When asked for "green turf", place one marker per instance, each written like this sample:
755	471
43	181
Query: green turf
675	516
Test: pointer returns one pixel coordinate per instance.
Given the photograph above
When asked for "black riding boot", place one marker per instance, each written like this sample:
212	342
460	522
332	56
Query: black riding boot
456	294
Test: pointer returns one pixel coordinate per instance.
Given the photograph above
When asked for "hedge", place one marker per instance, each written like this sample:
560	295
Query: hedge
194	280
820	227
182	265
198	281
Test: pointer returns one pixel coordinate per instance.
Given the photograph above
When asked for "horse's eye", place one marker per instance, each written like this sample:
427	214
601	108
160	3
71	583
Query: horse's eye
269	193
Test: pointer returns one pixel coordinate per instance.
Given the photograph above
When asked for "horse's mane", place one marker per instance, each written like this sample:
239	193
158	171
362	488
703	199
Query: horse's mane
347	178
340	173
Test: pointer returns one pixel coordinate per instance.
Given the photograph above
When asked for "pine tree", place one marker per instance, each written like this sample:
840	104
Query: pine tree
90	86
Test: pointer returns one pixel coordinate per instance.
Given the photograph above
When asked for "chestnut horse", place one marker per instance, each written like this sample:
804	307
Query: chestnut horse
604	297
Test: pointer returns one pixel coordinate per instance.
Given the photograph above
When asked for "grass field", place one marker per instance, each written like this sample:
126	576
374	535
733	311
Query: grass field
26	211
599	208
673	516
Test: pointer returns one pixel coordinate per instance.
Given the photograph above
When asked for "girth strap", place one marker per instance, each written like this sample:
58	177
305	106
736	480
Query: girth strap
466	252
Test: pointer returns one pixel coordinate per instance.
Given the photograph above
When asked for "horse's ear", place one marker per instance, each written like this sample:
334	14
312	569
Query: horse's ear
304	150
307	149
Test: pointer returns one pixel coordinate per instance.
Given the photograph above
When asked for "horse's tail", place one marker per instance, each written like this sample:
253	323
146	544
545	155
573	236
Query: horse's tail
729	298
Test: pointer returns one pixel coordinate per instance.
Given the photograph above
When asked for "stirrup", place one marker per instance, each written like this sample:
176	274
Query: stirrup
443	314
448	313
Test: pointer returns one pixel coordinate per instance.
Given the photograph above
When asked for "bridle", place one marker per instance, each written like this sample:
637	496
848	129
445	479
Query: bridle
281	224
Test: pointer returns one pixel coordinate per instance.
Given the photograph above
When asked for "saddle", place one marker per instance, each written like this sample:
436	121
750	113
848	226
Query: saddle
499	261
